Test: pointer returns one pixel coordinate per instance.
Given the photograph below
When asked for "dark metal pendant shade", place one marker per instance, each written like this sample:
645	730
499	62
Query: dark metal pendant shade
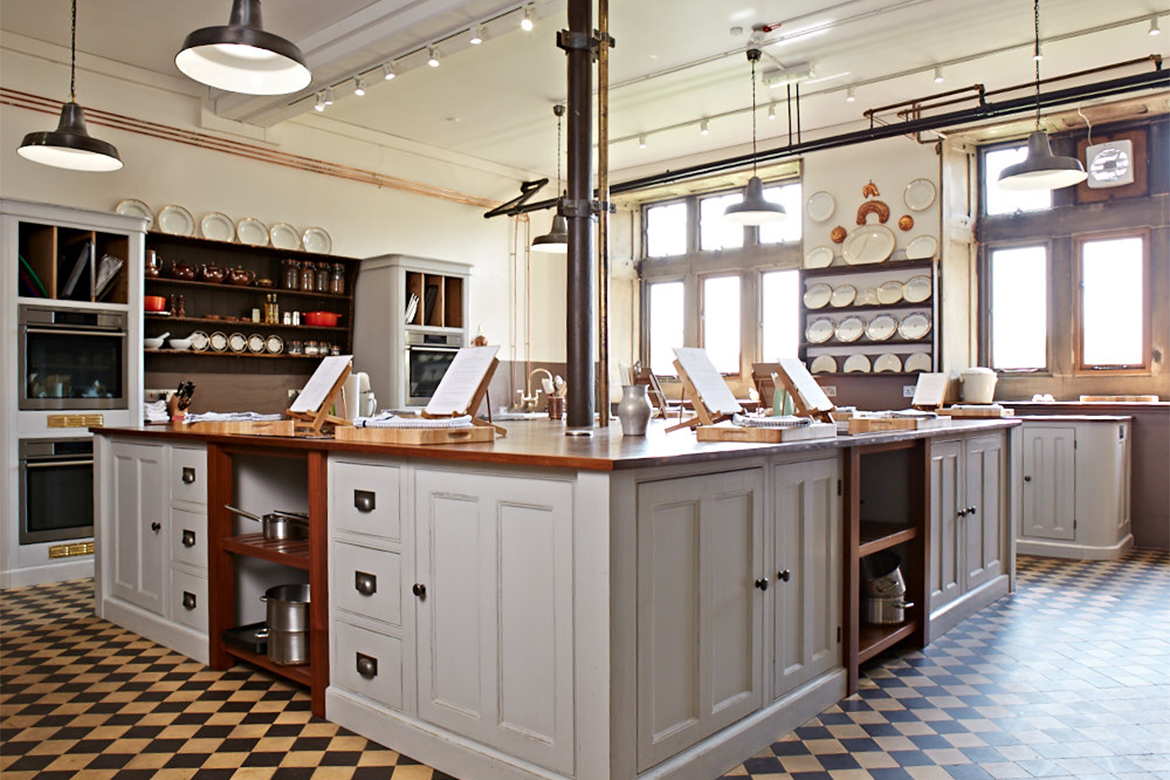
242	57
70	145
754	209
1041	169
556	240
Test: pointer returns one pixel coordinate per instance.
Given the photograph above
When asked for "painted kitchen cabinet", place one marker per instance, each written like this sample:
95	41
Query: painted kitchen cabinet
807	557
701	585
494	605
138	511
1075	488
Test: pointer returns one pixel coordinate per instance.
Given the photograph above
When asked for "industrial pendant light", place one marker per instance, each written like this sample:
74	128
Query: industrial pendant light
242	57
70	145
754	209
556	240
1041	169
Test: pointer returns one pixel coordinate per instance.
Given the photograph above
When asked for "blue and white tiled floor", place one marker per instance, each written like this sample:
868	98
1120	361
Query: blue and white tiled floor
1069	677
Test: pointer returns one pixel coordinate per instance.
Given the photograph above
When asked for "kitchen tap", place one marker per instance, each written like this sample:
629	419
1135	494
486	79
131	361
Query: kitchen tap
530	399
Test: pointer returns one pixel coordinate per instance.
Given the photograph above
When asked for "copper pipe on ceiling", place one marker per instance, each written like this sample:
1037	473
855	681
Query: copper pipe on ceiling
200	140
603	47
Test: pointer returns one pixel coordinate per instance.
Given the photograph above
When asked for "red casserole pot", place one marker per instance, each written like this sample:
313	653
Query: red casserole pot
154	303
326	318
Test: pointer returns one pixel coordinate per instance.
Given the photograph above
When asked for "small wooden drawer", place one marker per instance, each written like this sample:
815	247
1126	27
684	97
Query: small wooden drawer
189	537
368	664
188	475
364	499
367	582
189	600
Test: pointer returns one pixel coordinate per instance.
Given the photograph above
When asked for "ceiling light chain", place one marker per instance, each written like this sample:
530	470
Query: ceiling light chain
73	57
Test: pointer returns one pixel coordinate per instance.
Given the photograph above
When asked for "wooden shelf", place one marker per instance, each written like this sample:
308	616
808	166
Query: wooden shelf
889	265
246	288
927	305
300	674
222	324
892	342
876	537
289	552
154	238
210	353
874	639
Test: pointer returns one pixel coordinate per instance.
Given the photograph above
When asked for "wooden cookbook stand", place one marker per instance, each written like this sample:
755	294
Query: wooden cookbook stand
808	399
477	397
311	409
710	396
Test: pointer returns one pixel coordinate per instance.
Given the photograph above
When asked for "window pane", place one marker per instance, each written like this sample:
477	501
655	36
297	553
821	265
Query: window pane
666	230
1019	308
721	322
1001	201
787	229
715	232
1112	310
780	307
666	325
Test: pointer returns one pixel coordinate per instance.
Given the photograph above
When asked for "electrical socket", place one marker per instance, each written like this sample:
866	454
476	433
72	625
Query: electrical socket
157	395
907	391
830	390
293	392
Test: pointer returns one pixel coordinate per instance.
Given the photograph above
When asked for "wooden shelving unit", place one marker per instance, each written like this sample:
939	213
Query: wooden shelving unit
51	253
440	299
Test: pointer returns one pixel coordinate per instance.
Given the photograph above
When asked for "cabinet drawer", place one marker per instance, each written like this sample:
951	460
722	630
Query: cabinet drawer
368	664
189	600
188	475
189	537
365	499
368	582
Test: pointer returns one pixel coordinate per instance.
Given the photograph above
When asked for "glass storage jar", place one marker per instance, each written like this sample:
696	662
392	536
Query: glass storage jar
337	279
322	277
291	274
308	277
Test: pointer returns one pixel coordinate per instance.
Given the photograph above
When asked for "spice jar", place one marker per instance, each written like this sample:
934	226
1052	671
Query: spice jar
322	277
337	279
296	348
310	348
308	277
292	274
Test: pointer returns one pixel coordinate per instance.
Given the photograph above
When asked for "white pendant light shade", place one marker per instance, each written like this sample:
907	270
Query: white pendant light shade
242	57
70	145
556	240
754	209
1041	169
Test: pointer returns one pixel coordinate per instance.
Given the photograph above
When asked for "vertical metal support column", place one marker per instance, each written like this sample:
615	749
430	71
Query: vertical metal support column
579	287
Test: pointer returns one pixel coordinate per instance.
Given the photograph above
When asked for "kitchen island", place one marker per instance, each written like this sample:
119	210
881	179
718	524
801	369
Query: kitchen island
560	607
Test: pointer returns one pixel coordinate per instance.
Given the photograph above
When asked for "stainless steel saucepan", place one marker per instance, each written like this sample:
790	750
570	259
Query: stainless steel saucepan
278	525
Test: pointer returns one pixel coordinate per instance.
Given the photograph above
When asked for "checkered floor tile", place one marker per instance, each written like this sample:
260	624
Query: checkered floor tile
1067	678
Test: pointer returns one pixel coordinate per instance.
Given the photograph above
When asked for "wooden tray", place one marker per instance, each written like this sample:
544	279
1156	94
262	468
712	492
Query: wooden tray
476	433
260	428
878	424
725	431
979	412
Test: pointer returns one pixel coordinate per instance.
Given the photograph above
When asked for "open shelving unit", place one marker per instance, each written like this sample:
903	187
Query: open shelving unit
62	263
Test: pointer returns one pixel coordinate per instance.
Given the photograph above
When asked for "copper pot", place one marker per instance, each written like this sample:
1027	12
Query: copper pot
181	270
212	273
241	276
152	265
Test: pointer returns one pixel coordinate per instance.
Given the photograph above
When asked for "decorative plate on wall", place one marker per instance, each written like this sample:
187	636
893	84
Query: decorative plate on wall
817	295
284	236
176	220
857	364
850	329
919	361
919	194
921	248
133	207
823	364
217	226
916	289
820	206
820	257
819	331
843	295
868	244
252	231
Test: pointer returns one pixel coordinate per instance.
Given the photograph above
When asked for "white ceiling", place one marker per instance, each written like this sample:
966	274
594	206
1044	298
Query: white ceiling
675	63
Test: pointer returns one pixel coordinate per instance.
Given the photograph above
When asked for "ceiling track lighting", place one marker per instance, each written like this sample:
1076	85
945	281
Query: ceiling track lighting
1154	26
754	209
433	57
476	36
938	76
388	73
242	57
1041	169
641	142
849	96
328	96
526	22
70	145
319	102
359	86
703	128
771	111
556	240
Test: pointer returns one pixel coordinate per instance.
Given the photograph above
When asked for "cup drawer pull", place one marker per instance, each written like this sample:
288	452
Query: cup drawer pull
364	500
365	583
188	475
189	601
188	538
367	666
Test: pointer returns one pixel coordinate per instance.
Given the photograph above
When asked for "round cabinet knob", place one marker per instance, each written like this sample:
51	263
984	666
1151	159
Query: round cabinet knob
365	583
419	590
367	666
156	526
188	600
762	583
961	513
364	500
188	538
1027	478
970	510
188	475
785	575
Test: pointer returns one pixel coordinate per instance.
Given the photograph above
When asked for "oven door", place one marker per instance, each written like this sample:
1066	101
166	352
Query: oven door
56	490
425	366
70	359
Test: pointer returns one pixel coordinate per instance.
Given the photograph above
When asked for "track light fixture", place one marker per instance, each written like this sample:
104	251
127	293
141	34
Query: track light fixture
242	57
359	86
1154	26
754	209
328	96
433	57
771	111
938	76
70	145
319	103
641	142
703	129
388	73
476	35
526	22
849	96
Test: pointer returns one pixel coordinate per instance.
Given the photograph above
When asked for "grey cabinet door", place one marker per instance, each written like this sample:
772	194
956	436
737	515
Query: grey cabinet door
946	500
982	541
139	548
807	570
1049	488
700	613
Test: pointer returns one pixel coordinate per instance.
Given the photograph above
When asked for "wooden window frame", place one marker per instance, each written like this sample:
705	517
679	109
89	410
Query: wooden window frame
987	313
702	279
1078	321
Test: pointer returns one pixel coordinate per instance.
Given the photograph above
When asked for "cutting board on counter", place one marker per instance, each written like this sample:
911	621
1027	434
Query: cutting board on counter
474	434
726	431
246	427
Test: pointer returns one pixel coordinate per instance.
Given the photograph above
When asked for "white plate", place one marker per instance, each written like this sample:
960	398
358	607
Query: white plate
914	327
132	207
881	328
889	293
820	206
284	236
820	257
252	231
176	220
198	341
817	295
237	342
315	239
824	364
256	343
218	341
921	248
217	226
887	362
843	295
857	364
274	345
919	361
868	244
819	331
866	296
850	329
919	194
916	289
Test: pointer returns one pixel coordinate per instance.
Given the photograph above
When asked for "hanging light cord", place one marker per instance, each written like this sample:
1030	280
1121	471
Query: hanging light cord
73	58
559	114
754	111
1036	58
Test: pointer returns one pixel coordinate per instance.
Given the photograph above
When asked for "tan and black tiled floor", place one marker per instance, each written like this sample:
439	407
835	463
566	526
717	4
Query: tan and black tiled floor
1067	678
